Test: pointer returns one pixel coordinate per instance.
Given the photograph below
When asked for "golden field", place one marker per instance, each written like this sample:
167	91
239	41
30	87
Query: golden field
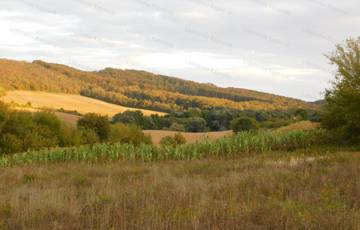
71	102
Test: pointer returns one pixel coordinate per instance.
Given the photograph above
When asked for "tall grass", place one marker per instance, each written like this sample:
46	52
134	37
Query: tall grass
245	142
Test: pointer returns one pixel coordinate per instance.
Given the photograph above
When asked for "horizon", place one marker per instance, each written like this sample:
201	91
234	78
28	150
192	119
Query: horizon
274	47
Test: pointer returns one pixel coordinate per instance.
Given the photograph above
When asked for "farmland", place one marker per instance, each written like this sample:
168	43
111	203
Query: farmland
70	102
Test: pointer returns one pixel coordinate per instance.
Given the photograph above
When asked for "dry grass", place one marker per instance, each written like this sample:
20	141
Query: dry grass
302	125
66	101
243	193
157	135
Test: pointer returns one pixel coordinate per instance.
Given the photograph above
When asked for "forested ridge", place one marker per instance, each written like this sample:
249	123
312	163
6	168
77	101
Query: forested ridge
137	89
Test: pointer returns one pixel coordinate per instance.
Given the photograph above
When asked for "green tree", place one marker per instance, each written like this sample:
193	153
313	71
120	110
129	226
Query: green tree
130	117
196	124
244	124
131	134
98	123
342	109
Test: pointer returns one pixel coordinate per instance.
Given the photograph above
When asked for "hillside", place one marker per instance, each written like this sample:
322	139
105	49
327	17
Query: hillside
69	102
137	89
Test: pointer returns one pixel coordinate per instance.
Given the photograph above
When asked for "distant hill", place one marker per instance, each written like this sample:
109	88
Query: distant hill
319	102
136	89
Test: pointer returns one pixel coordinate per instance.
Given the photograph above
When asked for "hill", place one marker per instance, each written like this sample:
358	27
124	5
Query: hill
136	89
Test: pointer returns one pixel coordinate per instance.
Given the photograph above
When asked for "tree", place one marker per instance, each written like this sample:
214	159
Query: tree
342	109
130	117
98	123
302	113
244	124
131	134
196	124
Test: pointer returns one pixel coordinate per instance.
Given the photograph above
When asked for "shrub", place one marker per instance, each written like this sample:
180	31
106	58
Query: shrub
177	127
196	124
100	124
9	143
178	139
244	124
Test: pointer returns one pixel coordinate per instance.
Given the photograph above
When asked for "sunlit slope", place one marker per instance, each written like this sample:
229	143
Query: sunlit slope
71	102
136	89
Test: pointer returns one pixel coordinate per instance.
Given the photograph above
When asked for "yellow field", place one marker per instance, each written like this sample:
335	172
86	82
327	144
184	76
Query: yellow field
68	102
157	135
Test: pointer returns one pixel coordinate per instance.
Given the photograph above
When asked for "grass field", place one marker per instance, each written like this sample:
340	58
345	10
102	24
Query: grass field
314	189
66	101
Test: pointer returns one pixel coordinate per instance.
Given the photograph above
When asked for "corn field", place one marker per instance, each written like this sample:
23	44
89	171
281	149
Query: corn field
242	143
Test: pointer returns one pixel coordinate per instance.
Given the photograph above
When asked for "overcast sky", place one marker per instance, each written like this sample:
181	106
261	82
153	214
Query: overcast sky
275	46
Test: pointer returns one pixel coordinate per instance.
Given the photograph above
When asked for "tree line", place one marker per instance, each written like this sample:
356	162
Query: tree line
196	120
22	131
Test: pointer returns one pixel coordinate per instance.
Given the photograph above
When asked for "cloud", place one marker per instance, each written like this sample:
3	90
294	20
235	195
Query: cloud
275	46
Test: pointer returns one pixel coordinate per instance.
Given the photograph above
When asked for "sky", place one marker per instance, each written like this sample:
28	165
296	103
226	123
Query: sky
276	46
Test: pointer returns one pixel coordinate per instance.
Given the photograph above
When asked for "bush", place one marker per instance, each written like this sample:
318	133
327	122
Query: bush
178	139
9	143
177	127
244	124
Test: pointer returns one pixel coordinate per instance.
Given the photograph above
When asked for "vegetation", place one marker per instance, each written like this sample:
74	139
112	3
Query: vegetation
342	108
240	144
244	124
97	123
178	139
195	120
24	131
137	89
97	175
312	189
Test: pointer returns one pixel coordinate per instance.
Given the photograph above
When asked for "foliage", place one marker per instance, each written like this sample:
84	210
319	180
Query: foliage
131	134
244	124
24	131
215	119
196	124
342	108
177	139
242	143
100	124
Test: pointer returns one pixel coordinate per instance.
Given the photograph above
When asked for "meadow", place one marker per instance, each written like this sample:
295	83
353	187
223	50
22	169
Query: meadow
314	188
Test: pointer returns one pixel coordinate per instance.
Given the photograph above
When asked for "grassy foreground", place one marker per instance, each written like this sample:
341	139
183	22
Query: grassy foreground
279	190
